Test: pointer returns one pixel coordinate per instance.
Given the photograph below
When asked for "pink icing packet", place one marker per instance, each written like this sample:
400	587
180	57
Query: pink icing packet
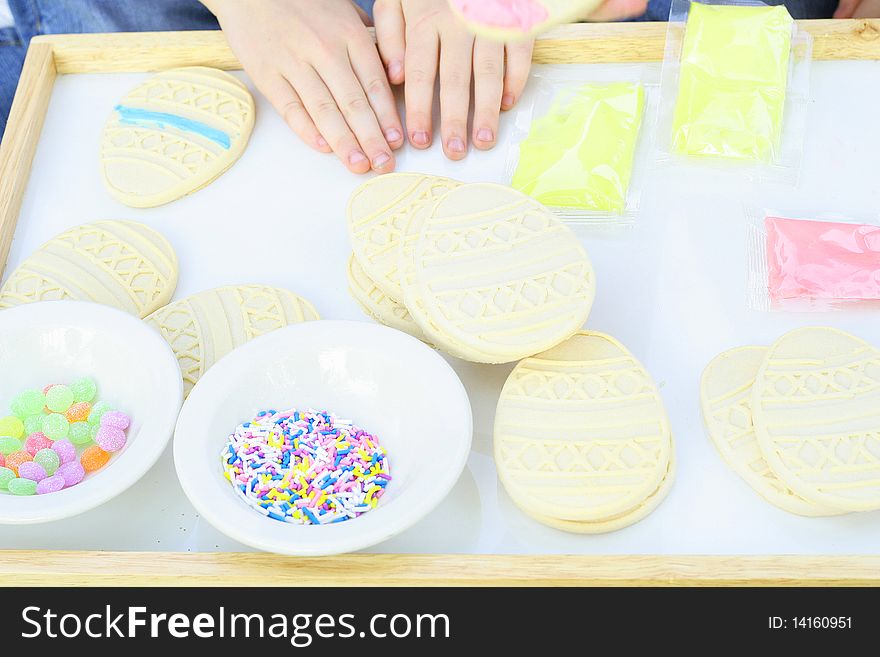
822	259
516	14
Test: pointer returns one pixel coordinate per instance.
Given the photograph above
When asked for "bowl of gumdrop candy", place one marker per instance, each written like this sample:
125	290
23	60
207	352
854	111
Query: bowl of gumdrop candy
88	401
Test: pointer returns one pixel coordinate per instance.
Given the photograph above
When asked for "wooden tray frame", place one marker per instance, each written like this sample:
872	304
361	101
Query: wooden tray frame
50	56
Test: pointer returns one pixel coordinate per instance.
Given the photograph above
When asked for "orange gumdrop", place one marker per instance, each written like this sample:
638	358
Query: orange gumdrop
15	459
79	412
94	458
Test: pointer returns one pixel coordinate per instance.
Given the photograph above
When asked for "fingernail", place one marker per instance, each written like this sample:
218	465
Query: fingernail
381	160
455	145
322	143
395	68
421	138
507	100
356	157
392	134
485	134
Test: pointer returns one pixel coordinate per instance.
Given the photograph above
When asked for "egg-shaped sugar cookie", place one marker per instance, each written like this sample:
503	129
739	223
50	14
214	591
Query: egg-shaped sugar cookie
206	326
174	134
726	400
581	433
376	303
495	277
377	215
816	410
123	264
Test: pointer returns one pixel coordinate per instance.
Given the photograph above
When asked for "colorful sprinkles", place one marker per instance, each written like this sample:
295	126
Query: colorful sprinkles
305	467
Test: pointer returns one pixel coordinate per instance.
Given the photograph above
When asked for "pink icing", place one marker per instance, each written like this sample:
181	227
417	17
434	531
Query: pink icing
822	259
518	14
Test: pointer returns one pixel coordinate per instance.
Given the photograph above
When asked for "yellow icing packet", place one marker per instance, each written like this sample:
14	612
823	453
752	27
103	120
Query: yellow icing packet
580	154
732	82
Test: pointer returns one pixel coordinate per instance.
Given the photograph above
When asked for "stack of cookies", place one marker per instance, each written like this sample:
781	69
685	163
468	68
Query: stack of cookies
799	421
481	271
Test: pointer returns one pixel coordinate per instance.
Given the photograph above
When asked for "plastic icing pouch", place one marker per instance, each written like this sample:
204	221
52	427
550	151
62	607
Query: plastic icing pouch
732	82
579	156
816	261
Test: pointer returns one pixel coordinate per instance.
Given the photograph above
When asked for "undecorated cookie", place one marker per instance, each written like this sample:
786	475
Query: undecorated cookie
174	134
816	409
204	327
122	264
726	398
376	303
495	277
378	213
581	435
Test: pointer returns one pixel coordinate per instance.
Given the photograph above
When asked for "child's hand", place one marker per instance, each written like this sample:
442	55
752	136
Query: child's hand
858	9
318	66
418	38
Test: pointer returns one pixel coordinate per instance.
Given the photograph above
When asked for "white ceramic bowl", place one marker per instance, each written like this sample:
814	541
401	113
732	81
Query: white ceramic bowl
383	380
135	369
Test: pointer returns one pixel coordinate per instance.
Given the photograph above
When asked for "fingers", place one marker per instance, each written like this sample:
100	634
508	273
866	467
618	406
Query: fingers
391	36
488	89
368	69
456	59
328	118
516	73
846	8
289	105
420	66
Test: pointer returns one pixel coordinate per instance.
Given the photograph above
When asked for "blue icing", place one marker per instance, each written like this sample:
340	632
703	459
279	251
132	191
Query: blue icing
135	116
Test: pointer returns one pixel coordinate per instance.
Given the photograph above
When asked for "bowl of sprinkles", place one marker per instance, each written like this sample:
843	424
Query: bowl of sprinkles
88	402
323	437
306	467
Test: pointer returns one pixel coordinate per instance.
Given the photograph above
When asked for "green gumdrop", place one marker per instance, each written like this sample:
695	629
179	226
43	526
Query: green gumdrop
33	424
56	426
6	475
8	444
48	458
11	426
20	486
81	432
59	398
98	410
93	430
84	389
29	402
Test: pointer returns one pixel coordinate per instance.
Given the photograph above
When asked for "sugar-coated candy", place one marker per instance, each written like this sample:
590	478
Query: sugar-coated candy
2	460
9	445
116	419
49	459
110	438
79	412
11	426
16	459
59	398
22	486
93	430
31	470
80	433
33	423
72	472
50	485
46	389
6	475
65	450
56	426
98	410
27	403
84	389
35	442
94	458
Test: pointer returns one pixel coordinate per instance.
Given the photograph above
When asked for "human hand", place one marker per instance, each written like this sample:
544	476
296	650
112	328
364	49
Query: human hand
418	38
319	67
858	9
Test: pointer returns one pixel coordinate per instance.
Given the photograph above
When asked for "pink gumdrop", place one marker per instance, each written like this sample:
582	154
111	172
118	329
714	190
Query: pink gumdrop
116	419
37	441
50	484
72	472
65	450
110	439
2	461
31	470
